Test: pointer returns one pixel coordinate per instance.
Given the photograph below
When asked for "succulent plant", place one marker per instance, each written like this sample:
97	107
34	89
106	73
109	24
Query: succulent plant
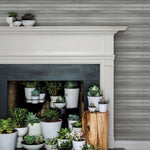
30	84
52	141
76	136
77	124
35	92
73	117
62	133
28	16
6	126
71	84
41	89
60	100
92	105
12	14
88	147
39	139
103	101
29	139
95	91
67	145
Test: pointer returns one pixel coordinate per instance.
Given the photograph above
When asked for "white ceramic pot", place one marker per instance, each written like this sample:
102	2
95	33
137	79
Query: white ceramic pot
34	129
53	100
10	21
33	147
35	99
41	100
8	141
59	105
72	97
28	92
50	129
70	123
49	147
103	107
77	145
42	96
28	23
75	129
94	100
60	141
17	23
21	133
28	100
92	109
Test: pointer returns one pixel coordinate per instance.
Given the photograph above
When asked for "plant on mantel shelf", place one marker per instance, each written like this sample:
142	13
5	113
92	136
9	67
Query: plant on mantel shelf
28	19
11	17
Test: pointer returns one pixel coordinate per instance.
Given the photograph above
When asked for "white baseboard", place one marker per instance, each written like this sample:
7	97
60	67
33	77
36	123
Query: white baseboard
133	145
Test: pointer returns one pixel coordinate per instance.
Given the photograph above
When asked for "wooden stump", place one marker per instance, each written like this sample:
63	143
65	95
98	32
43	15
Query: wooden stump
95	129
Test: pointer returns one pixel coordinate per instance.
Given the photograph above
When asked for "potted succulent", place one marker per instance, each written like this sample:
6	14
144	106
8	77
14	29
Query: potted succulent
60	103
50	143
28	20
103	105
33	142
77	126
71	119
94	95
18	116
7	134
11	17
66	145
17	22
51	122
92	107
53	88
71	94
62	135
42	90
35	96
88	147
33	123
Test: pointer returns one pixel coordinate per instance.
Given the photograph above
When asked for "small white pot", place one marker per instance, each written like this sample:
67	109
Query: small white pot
94	100
70	123
17	23
103	107
59	105
41	100
72	97
10	21
28	92
77	145
28	23
34	129
21	133
8	141
33	147
92	109
50	129
35	99
49	147
53	100
28	100
77	130
60	141
42	96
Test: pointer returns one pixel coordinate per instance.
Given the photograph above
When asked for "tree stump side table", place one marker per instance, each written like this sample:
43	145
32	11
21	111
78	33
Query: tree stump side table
95	128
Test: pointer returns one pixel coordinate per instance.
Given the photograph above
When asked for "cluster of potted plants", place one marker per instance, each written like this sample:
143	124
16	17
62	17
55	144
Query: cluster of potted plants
26	20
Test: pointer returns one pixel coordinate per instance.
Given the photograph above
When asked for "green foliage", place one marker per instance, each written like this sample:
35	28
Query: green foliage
71	84
39	139
60	100
28	16
95	91
77	136
18	116
52	141
33	139
77	124
103	101
53	87
35	93
32	118
41	89
51	115
12	14
6	126
62	133
88	147
73	117
30	84
67	145
92	105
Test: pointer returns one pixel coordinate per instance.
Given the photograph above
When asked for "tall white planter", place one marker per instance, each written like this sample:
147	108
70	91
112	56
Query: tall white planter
34	129
70	123
103	107
53	99
28	92
77	145
8	141
94	100
50	129
72	97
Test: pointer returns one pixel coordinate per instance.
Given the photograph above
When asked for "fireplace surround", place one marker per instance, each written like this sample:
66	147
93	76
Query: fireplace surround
64	45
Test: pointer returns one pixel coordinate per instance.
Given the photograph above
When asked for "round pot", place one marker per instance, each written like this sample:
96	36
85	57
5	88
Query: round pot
28	92
53	100
94	100
34	129
28	23
59	105
60	141
10	21
92	109
8	141
72	97
42	96
77	129
32	147
70	123
50	129
77	145
49	147
103	107
35	99
21	133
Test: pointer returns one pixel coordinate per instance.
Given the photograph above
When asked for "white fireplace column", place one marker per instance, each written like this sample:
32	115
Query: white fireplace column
65	45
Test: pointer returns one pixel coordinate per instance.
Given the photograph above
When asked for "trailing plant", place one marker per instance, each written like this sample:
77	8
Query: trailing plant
77	124
60	100
52	141
18	116
73	117
62	133
71	84
53	87
35	93
28	16
103	101
95	91
92	105
51	115
6	126
33	140
76	136
66	145
12	14
32	118
88	147
30	84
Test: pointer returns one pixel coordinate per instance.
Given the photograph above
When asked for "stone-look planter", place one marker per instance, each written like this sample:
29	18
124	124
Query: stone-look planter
60	141
59	105
77	145
49	147
92	109
70	123
28	92
53	100
34	129
8	141
50	129
77	129
72	97
94	100
32	147
103	107
21	133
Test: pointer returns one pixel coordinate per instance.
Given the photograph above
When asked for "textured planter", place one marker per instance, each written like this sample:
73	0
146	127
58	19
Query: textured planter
60	141
92	109
94	100
77	145
70	123
77	129
103	107
59	105
34	129
53	100
28	92
72	97
8	141
32	147
50	129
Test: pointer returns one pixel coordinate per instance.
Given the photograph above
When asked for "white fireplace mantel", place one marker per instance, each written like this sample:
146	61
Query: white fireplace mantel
65	45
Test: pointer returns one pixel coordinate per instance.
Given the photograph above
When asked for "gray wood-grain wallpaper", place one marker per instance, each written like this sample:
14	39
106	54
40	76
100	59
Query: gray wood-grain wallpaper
132	49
